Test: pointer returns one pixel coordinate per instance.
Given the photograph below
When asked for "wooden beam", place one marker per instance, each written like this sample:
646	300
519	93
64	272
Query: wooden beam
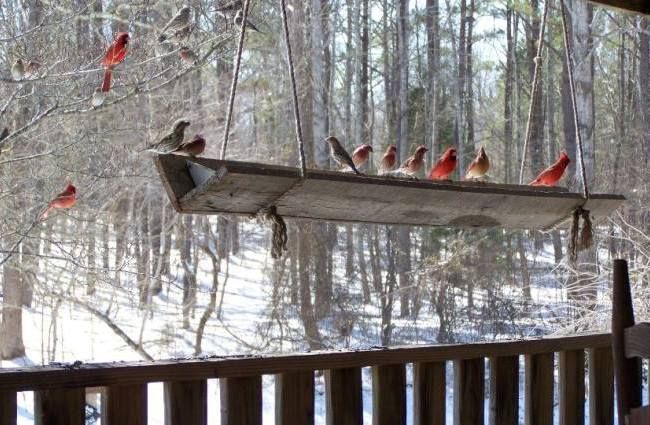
8	411
627	371
241	401
103	374
504	390
343	397
601	386
636	6
429	393
539	389
243	188
637	341
63	406
572	387
186	402
389	395
469	388
294	398
639	416
126	404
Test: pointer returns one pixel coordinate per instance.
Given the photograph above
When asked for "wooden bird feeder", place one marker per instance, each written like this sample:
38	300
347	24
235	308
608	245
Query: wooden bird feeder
210	186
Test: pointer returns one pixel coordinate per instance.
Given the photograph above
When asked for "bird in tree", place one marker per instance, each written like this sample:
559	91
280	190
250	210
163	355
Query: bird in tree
445	165
553	174
479	166
413	164
388	160
239	18
32	68
18	70
194	147
114	56
64	200
361	155
187	55
340	155
230	6
172	141
179	27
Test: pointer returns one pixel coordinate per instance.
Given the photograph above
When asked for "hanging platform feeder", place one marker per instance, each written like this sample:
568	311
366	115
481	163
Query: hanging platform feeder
211	186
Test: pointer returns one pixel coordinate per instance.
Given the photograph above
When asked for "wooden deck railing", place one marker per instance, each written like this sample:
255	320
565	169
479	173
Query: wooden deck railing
60	391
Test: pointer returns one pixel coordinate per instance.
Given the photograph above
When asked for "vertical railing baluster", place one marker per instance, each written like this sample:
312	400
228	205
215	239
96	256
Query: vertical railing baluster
294	398
241	400
429	393
8	411
61	406
344	397
572	387
125	404
389	395
186	402
539	389
504	390
469	389
601	386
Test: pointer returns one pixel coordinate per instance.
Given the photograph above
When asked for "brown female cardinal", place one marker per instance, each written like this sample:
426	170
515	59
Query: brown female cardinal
479	167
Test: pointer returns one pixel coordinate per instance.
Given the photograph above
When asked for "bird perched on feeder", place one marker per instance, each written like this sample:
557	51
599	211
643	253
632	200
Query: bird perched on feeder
388	160
64	200
553	174
445	165
18	70
194	147
239	18
479	167
413	164
361	154
114	56
340	155
188	55
172	141
178	27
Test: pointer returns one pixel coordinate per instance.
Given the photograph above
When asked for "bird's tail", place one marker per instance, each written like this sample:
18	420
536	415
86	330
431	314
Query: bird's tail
162	38
535	182
106	85
46	212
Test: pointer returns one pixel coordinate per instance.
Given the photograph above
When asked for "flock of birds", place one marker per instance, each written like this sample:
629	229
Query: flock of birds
177	31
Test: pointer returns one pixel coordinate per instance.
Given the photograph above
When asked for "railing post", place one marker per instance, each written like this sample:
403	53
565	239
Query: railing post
539	389
601	386
294	398
389	395
504	390
241	400
469	389
344	397
125	404
627	371
8	411
429	392
61	406
186	402
572	387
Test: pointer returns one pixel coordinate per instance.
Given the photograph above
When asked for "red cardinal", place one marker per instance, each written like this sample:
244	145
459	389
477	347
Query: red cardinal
114	56
194	147
414	163
65	199
552	174
361	154
445	165
389	160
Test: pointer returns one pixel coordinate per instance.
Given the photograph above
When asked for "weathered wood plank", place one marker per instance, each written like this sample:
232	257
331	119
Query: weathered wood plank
572	387
125	404
601	386
186	402
637	6
469	388
637	341
294	398
639	416
63	406
539	389
389	395
241	401
504	390
429	393
8	410
103	374
344	397
627	371
245	188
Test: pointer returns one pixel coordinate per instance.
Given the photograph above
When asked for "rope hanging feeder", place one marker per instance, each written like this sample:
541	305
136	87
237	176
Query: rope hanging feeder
270	213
